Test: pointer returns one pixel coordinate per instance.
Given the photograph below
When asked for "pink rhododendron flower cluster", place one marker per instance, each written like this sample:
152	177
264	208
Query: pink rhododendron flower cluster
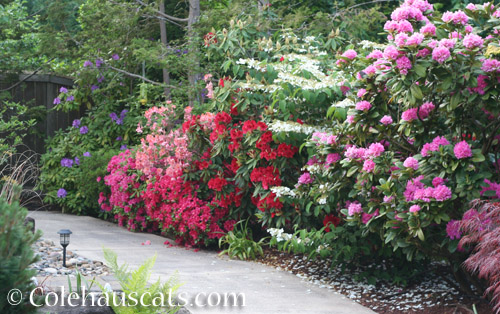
305	178
440	54
472	41
354	208
458	17
462	150
417	191
368	165
403	64
434	145
324	138
414	209
363	105
428	30
411	162
386	120
490	65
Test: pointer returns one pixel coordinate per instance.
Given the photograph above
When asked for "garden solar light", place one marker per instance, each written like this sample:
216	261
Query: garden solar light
64	233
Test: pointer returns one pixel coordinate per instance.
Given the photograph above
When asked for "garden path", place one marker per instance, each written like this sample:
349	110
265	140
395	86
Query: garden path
266	289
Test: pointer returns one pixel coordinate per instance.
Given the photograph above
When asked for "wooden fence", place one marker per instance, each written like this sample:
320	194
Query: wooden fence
40	90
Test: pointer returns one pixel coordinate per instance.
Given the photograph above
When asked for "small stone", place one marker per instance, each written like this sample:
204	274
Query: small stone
72	261
50	270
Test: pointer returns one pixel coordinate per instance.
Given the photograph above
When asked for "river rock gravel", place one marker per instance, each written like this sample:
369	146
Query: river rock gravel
434	291
50	262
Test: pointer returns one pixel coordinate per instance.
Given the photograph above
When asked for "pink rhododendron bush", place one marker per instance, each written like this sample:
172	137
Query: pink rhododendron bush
421	137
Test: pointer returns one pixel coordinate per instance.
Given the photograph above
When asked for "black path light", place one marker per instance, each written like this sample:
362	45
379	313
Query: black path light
64	233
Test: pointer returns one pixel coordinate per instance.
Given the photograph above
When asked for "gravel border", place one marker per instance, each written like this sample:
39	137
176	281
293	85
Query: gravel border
432	292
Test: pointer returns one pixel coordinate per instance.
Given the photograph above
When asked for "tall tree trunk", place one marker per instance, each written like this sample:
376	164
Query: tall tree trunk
193	75
163	38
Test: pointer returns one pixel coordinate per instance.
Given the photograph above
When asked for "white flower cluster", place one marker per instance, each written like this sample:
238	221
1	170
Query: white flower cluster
279	234
282	191
321	247
291	126
313	168
370	44
292	73
344	103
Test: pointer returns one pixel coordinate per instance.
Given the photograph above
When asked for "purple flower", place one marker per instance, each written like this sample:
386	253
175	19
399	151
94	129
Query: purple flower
98	62
100	79
63	90
113	116
86	154
119	138
66	162
119	121
84	130
77	161
57	101
116	57
123	147
123	113
94	87
87	64
76	123
70	98
61	193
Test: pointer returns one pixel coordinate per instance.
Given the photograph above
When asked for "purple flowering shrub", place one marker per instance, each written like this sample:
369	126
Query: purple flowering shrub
421	135
76	158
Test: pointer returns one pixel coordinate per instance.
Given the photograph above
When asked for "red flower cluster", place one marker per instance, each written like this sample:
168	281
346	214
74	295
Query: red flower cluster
268	176
330	220
269	202
217	183
251	125
236	136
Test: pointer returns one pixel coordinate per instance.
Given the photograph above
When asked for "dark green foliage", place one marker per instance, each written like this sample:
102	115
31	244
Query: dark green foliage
16	256
88	187
18	38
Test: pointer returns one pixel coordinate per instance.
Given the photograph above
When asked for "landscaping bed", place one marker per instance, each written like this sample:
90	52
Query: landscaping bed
431	292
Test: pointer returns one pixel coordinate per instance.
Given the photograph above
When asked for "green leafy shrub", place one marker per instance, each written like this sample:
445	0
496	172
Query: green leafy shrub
16	255
240	242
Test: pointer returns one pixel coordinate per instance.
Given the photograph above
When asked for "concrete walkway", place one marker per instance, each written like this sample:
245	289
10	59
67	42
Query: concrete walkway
266	289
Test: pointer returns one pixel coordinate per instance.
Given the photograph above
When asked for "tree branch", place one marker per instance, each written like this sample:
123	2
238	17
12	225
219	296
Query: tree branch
138	76
169	17
358	5
27	77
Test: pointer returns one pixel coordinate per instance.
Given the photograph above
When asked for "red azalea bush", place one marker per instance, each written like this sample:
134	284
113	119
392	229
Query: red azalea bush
148	191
